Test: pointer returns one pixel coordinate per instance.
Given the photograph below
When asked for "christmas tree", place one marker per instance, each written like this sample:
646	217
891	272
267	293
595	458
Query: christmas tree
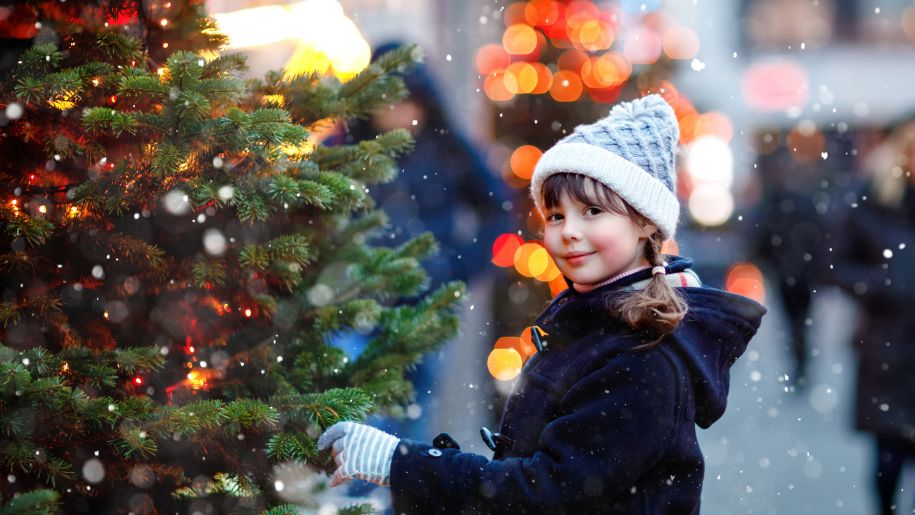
177	250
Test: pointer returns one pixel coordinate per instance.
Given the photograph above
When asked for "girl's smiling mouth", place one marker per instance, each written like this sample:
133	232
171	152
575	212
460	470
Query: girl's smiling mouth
577	258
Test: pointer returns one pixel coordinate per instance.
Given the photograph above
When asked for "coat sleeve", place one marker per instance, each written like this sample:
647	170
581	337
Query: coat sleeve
612	425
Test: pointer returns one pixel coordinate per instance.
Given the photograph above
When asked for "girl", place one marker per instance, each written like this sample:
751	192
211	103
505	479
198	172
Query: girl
634	354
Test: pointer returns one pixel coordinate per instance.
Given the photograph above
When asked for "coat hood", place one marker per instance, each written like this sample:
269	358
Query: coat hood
715	332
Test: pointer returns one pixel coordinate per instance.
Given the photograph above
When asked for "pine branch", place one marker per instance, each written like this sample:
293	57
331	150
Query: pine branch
36	502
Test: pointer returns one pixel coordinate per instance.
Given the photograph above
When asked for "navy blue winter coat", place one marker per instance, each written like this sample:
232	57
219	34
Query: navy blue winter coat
595	426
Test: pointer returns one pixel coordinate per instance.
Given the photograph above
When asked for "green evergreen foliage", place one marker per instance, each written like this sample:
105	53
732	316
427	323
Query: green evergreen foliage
177	250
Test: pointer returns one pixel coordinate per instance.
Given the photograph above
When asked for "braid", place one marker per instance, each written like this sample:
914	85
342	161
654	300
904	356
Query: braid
658	308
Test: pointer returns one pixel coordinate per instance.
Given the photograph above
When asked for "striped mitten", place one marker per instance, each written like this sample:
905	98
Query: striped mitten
360	451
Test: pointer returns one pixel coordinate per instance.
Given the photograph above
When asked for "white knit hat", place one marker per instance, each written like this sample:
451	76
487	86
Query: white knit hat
632	151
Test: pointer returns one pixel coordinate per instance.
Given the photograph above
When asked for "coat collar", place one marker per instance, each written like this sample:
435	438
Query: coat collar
572	313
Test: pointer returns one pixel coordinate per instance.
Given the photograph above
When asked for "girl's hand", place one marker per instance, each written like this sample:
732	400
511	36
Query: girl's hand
360	451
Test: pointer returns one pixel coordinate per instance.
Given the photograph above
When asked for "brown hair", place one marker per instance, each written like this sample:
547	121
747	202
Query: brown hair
656	309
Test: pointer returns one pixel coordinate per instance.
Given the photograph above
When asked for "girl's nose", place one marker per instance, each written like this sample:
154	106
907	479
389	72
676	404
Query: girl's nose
570	231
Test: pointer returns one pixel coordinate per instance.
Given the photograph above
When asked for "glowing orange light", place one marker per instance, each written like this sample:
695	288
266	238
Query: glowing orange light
680	43
163	22
714	123
531	259
552	272
746	279
495	89
95	82
688	127
504	364
566	87
491	58
113	99
248	312
524	77
606	71
524	349
514	14
504	248
589	33
524	159
73	212
519	39
544	78
196	380
558	285
542	12
105	315
65	367
605	95
572	60
43	209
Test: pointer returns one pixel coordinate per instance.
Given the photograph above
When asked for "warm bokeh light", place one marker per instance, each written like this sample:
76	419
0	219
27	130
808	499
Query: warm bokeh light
519	39
589	33
523	78
524	346
680	42
567	86
552	272
558	285
688	127
572	60
714	123
710	204
775	86
531	259
642	46
504	364
491	58
544	78
504	248
254	27
196	379
606	71
328	41
494	87
514	14
306	59
524	159
541	13
746	279
710	160
583	8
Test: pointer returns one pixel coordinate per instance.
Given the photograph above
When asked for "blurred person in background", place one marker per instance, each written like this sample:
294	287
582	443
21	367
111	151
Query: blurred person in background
445	187
872	263
789	240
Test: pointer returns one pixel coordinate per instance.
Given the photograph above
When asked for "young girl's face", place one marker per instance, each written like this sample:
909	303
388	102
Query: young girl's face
612	243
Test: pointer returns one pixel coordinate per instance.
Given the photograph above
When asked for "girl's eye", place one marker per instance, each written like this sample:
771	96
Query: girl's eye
550	217
597	209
